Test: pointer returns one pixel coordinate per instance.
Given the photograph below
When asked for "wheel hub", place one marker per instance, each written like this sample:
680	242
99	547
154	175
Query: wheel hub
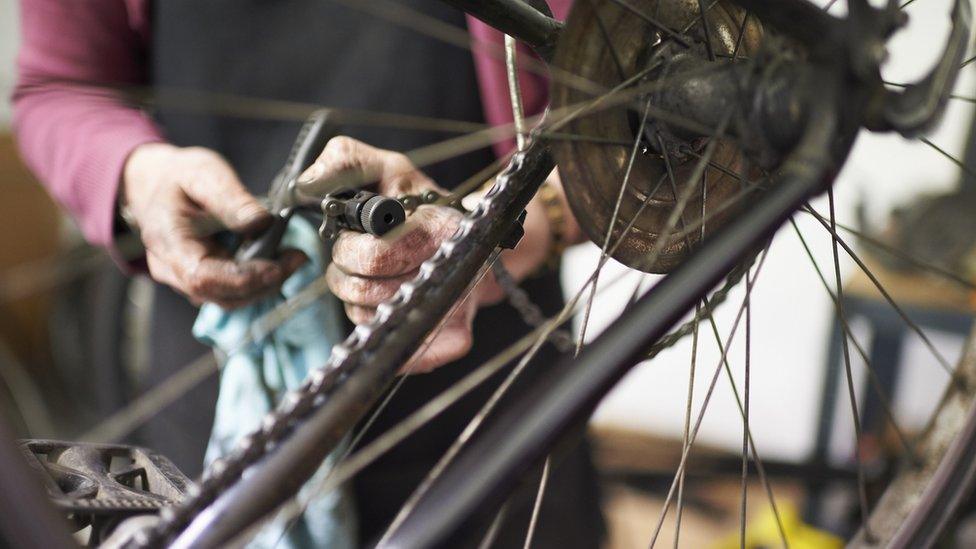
607	44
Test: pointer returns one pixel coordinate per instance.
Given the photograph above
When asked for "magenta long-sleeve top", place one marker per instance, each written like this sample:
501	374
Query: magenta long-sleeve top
76	137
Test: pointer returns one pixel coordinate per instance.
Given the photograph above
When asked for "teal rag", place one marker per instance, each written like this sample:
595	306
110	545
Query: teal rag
254	377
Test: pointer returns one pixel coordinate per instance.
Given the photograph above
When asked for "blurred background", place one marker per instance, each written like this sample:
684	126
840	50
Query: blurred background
69	322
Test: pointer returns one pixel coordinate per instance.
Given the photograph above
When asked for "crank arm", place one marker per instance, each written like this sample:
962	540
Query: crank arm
315	133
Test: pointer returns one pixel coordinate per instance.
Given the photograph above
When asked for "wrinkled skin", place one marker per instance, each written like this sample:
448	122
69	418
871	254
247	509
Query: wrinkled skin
174	194
367	270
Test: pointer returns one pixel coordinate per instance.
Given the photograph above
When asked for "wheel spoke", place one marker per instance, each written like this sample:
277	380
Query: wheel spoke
955	96
495	527
408	17
884	292
760	468
745	425
905	256
537	506
559	136
738	39
969	171
613	223
701	414
747	435
703	19
694	20
679	506
839	289
652	21
617	60
875	382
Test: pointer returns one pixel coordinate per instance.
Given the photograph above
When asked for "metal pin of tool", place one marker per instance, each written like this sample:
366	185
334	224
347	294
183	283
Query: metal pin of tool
363	211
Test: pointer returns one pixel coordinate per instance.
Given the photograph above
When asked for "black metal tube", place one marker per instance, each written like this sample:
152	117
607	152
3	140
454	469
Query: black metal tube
516	18
271	482
488	469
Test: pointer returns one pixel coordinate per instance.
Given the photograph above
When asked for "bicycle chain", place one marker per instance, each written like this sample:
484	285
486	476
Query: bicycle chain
531	314
298	404
718	297
518	298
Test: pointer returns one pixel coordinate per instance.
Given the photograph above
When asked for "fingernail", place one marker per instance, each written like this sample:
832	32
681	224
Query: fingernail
311	174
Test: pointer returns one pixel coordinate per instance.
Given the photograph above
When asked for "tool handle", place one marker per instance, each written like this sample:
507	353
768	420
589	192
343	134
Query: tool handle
314	134
317	130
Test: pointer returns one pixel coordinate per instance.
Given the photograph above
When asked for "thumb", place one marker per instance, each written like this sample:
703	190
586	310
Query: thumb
347	162
218	190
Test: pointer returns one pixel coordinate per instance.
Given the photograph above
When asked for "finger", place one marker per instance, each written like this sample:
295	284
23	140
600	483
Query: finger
396	255
367	292
453	342
213	184
489	291
204	276
290	260
347	162
160	270
359	314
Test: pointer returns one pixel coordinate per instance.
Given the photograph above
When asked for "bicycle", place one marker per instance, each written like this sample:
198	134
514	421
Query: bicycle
658	109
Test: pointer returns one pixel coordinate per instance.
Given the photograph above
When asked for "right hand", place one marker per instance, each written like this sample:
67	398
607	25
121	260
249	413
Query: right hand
171	191
367	270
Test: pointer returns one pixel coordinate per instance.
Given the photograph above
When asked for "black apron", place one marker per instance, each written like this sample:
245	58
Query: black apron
321	52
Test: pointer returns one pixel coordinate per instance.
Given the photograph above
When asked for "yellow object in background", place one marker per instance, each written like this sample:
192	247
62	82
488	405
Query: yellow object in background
763	532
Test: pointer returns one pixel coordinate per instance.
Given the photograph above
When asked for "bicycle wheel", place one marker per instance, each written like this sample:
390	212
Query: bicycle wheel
746	106
610	42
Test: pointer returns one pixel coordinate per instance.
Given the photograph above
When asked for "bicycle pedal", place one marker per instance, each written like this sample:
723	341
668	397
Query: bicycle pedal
101	484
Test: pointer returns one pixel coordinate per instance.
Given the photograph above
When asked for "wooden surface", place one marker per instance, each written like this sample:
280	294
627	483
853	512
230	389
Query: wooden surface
711	518
30	226
916	289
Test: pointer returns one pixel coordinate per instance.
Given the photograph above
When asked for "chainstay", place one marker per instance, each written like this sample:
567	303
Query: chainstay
477	235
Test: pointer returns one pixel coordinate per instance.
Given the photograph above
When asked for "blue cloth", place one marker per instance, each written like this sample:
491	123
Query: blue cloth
254	377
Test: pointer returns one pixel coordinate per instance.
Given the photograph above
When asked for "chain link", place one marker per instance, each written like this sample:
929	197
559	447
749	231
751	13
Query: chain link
531	313
517	297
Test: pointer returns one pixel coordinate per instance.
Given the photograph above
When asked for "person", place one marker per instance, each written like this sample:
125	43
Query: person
98	154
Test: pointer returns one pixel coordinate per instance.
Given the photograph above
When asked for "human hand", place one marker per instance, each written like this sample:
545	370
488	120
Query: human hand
173	193
367	270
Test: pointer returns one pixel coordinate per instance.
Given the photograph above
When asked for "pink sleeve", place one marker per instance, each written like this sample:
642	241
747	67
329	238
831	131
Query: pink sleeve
73	131
493	80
